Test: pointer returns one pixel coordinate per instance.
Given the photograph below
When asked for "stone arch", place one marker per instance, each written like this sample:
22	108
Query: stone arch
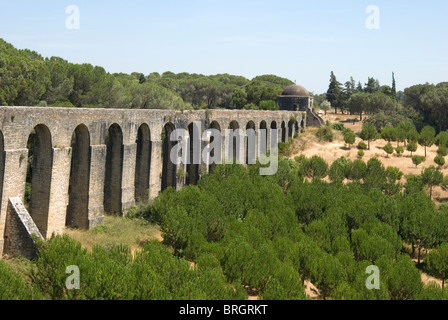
263	133
283	129
143	163
212	166
291	128
114	171
233	144
194	158
169	169
78	203
251	143
273	134
39	172
2	166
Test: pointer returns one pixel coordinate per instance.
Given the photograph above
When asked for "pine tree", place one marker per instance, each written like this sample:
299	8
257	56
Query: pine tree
394	87
334	93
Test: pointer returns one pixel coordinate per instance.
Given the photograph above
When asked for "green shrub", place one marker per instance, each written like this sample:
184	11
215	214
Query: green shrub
442	151
388	149
362	145
325	134
417	160
338	126
399	151
439	160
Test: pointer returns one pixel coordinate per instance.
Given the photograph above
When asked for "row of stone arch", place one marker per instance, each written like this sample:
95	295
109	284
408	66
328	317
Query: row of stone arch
41	156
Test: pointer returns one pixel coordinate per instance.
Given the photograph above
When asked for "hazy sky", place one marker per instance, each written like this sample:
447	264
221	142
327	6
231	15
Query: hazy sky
300	40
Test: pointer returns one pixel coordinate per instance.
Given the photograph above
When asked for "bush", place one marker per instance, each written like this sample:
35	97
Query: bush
388	149
417	160
439	160
412	147
362	146
338	126
349	138
399	151
325	134
361	153
442	151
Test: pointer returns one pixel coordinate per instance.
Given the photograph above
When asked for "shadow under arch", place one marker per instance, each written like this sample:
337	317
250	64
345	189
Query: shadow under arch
78	204
143	163
39	172
114	171
169	169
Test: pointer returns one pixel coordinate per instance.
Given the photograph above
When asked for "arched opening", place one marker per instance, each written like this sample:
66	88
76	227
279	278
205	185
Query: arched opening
114	171
291	129
195	154
263	134
143	163
251	143
234	142
78	203
2	165
274	134
284	131
297	128
212	164
302	124
169	169
38	178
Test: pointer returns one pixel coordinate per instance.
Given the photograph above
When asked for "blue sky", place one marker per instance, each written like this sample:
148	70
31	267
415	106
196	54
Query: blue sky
300	40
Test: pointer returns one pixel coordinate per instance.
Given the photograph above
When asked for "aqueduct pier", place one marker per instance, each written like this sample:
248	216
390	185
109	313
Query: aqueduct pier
83	163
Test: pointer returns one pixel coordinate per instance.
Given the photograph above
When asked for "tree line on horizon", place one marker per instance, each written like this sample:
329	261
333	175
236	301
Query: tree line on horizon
28	79
421	104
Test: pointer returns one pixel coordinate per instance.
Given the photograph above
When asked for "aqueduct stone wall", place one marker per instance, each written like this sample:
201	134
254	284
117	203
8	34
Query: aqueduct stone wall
90	161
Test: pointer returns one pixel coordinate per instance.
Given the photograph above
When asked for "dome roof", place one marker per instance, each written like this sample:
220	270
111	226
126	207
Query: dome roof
295	90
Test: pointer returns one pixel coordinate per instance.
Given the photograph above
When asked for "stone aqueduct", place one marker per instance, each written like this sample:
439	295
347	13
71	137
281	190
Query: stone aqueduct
88	162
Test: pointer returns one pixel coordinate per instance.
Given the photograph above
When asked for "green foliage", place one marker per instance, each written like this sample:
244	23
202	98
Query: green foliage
417	160
113	274
358	170
442	151
338	126
368	133
427	137
315	168
325	133
362	146
389	149
442	139
436	263
432	177
439	160
402	277
399	151
361	153
13	287
349	138
389	134
412	147
340	170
